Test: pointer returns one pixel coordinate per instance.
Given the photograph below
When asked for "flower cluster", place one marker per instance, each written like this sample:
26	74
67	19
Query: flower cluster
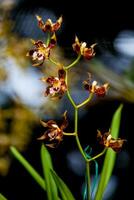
41	51
58	85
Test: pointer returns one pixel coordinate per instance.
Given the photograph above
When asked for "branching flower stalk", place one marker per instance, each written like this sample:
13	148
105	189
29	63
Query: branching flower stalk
59	85
76	110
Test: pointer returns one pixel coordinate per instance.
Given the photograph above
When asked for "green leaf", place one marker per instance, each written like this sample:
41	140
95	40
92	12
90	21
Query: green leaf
51	187
110	156
63	189
36	176
115	125
2	197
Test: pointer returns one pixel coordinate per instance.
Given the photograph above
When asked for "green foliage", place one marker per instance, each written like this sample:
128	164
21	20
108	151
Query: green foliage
63	189
51	187
28	167
2	197
110	156
52	183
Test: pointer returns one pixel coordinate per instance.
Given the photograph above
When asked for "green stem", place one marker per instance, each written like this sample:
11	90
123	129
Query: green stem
53	61
86	101
76	107
69	134
80	147
88	180
74	62
48	39
97	156
28	167
68	92
71	100
76	136
69	66
76	121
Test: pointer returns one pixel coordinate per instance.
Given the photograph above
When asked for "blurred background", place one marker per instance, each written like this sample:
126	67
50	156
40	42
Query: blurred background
22	102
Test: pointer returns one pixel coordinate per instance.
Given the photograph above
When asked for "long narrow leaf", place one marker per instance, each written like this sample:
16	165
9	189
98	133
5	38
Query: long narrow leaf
115	125
63	189
28	167
51	187
110	156
2	197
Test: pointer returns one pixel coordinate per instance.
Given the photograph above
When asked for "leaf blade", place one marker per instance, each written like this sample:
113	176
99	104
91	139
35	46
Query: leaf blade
110	156
115	125
30	169
2	197
51	187
63	188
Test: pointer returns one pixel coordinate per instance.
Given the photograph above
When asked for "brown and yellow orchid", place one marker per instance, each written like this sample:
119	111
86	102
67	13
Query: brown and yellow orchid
49	25
93	87
57	85
54	135
41	51
107	141
82	49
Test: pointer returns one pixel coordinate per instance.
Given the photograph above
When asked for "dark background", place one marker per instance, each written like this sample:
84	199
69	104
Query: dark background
92	21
